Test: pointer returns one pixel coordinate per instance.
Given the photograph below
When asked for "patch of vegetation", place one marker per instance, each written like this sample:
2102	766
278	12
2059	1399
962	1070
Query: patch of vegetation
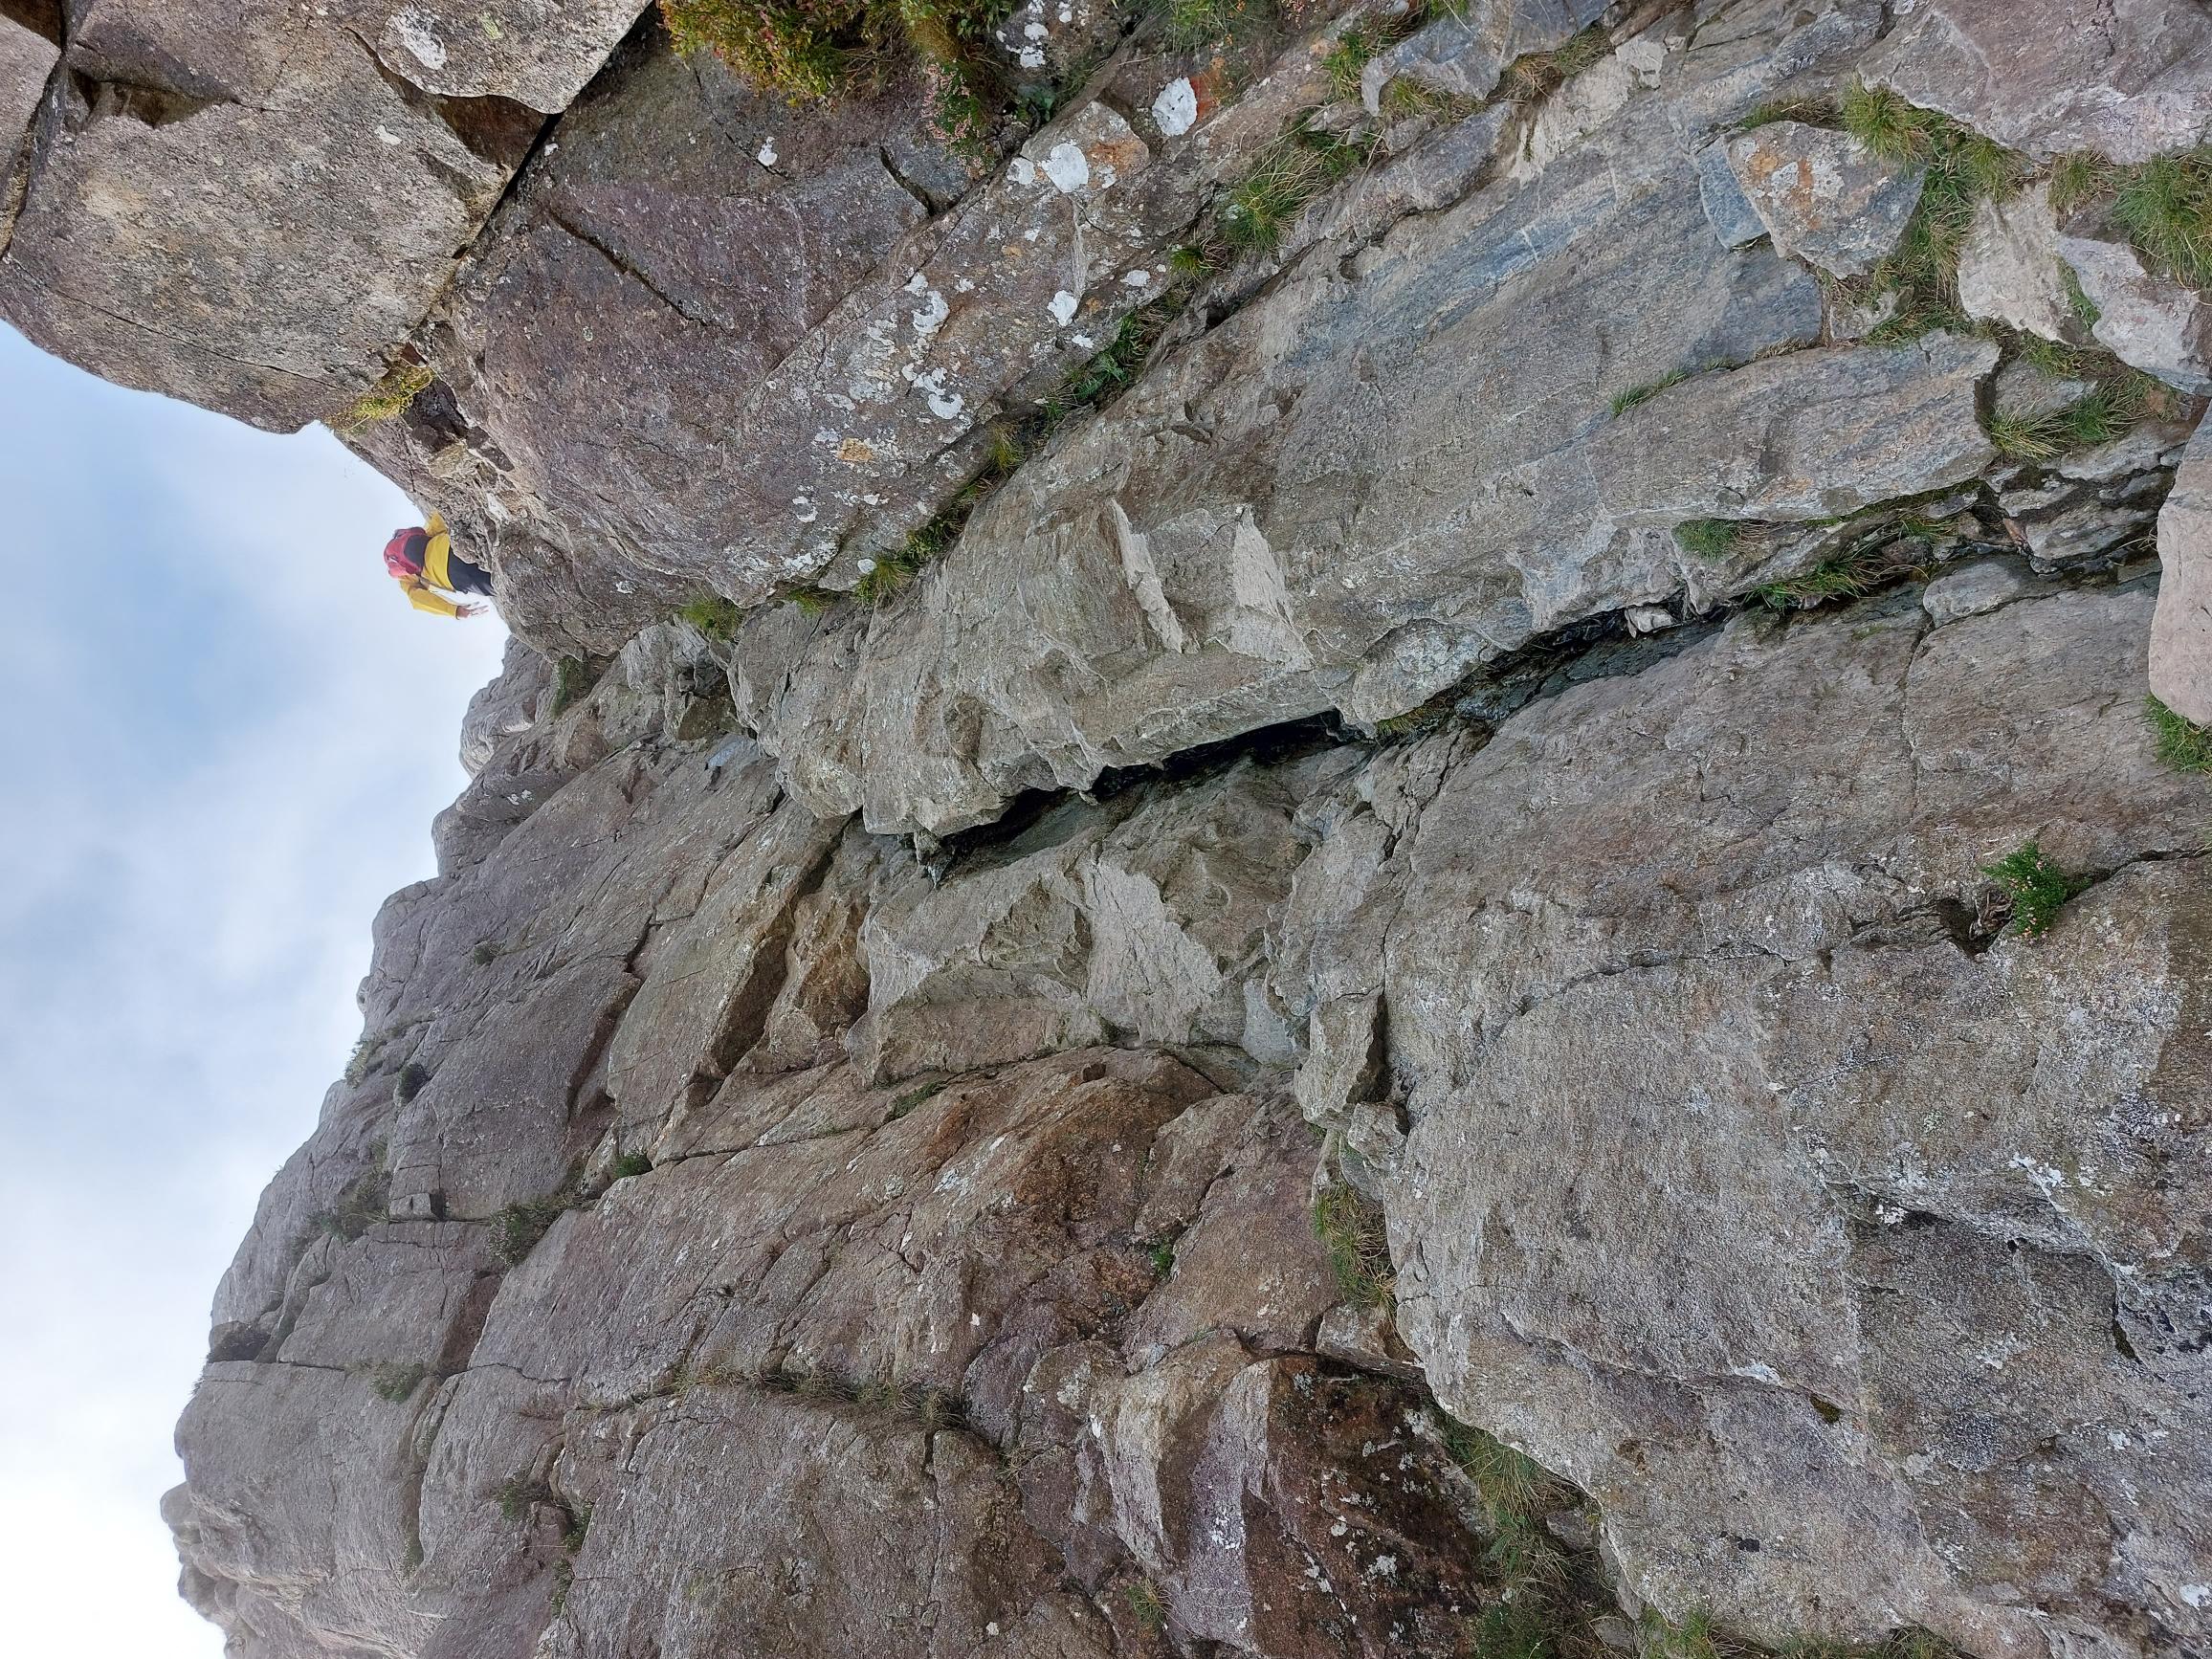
1349	58
1352	1233
811	50
1693	1638
397	387
2165	207
1190	24
1963	169
913	1098
1841	577
517	1229
2038	888
1146	1605
2097	417
522	1492
1290	175
413	1079
2076	178
715	617
1188	263
572	679
2077	300
485	952
1162	1255
1540	74
394	1382
888	569
1624	401
630	1163
1811	111
579	1524
2180	743
361	1203
1709	537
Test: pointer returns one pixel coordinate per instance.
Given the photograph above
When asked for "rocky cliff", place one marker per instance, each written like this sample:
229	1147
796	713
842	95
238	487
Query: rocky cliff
1334	833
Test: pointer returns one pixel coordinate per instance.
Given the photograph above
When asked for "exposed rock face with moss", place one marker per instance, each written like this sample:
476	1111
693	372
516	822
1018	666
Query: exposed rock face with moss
1399	885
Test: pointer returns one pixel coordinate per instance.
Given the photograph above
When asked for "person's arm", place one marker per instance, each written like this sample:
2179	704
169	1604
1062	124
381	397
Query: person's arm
424	598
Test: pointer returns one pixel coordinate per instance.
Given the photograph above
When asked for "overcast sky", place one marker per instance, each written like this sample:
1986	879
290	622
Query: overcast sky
223	737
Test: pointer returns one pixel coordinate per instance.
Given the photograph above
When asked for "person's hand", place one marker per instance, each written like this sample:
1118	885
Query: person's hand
461	610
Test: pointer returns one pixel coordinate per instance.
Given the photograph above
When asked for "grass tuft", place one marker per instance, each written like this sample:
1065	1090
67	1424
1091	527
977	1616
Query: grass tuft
2165	207
394	1382
1963	169
1810	111
1352	1233
1146	1605
2076	178
2038	887
397	387
1624	401
517	1229
361	1203
1709	537
1192	24
630	1163
2180	743
715	617
1540	74
1290	175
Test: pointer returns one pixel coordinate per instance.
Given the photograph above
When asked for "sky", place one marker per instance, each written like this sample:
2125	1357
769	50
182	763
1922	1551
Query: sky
223	736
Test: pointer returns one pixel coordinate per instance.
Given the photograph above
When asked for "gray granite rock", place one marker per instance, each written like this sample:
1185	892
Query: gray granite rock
2128	79
1464	53
2009	266
2144	318
2181	630
1823	196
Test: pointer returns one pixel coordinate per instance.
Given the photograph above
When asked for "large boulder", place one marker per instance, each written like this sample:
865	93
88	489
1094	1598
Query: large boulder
2127	79
249	208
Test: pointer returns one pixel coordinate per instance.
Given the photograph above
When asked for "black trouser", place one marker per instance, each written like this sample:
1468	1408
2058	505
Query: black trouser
465	577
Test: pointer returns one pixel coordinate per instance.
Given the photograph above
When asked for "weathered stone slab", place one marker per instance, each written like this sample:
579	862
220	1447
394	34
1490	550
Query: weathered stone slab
2144	318
1464	53
2009	266
1823	196
2128	79
2181	630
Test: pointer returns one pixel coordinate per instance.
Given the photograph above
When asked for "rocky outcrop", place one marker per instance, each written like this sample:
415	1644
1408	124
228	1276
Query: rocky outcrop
1489	954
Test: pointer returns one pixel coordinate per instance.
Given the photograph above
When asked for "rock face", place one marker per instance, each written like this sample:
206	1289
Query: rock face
1494	944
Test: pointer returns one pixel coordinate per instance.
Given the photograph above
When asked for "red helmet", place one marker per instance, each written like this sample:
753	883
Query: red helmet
402	554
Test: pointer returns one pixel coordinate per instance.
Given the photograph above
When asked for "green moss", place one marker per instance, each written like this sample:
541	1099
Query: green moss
1162	1255
1709	537
715	617
392	1381
1352	1233
388	398
2180	743
2038	888
630	1163
572	679
913	1098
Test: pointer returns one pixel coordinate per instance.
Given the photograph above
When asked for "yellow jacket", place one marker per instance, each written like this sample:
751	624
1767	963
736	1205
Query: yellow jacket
421	589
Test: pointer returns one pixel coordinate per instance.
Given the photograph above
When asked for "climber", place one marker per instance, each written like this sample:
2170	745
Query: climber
423	562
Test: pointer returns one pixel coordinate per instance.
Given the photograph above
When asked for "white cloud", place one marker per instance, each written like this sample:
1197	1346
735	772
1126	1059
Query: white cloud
222	734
